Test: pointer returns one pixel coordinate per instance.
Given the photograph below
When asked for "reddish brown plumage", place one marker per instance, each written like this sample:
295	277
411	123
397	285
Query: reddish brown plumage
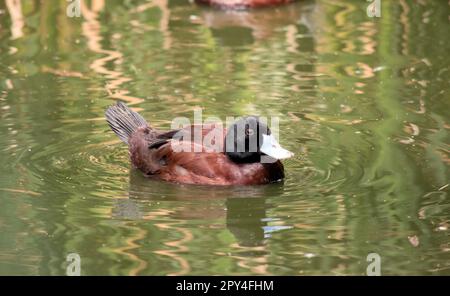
209	168
202	161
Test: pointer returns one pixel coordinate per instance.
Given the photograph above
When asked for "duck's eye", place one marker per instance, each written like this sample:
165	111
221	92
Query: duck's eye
249	132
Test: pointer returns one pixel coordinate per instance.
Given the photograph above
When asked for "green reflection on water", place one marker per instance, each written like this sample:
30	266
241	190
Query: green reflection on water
363	103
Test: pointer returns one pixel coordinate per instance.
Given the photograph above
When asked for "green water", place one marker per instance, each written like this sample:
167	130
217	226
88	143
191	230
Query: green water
363	103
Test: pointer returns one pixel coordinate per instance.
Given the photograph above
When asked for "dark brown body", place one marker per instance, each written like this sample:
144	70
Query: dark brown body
209	168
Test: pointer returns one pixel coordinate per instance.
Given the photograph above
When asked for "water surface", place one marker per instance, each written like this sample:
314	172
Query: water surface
363	102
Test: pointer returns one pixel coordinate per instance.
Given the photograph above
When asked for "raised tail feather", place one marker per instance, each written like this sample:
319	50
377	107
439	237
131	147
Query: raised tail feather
124	121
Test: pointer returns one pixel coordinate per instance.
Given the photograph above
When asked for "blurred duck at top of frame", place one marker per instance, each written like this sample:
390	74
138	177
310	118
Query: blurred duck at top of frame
262	23
242	4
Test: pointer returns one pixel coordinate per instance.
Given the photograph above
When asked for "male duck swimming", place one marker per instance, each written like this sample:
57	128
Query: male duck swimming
157	153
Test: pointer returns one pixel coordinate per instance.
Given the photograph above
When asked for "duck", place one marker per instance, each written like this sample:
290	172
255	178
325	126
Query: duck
245	153
242	4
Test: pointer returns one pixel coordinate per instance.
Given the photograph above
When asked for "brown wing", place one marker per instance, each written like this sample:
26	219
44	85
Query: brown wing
145	144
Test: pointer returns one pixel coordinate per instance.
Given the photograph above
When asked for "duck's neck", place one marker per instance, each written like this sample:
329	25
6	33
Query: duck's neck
244	157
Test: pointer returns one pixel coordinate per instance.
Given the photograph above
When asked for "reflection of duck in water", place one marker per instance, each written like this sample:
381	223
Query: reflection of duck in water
246	220
241	4
245	213
245	154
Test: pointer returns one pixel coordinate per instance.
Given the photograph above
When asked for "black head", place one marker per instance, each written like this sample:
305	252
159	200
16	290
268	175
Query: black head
249	138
